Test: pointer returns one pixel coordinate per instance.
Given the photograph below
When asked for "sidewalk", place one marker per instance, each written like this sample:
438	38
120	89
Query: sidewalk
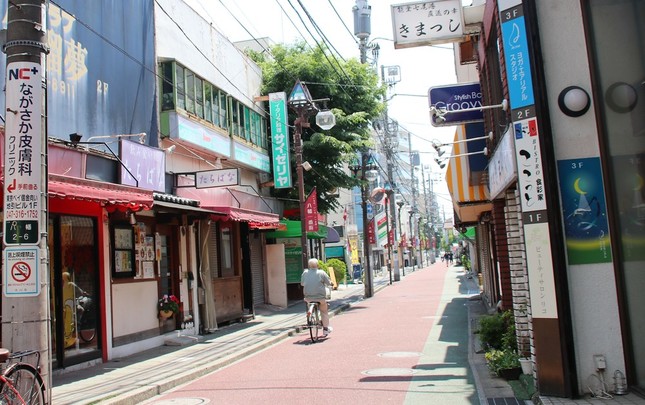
142	376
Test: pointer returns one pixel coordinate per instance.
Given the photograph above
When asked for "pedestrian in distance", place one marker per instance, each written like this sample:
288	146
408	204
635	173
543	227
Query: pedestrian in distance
450	257
315	283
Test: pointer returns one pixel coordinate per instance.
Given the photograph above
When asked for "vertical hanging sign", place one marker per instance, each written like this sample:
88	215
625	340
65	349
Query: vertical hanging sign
528	159
280	140
311	212
23	154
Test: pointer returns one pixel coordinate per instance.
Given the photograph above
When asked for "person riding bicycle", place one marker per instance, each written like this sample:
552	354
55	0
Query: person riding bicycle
315	282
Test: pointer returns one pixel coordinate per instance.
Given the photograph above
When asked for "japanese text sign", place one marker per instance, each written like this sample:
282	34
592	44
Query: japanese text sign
426	23
217	178
280	140
311	212
147	164
21	274
23	154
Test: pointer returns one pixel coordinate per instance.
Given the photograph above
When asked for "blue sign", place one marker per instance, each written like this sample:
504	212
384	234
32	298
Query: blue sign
453	98
101	76
518	67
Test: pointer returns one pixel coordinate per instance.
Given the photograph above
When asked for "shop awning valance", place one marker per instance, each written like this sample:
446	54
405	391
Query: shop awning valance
256	219
292	229
469	200
109	195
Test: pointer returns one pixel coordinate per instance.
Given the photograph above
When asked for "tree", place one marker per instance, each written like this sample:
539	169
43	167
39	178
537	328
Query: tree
355	98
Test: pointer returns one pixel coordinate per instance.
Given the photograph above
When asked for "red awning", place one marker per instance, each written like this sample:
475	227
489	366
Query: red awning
256	219
109	195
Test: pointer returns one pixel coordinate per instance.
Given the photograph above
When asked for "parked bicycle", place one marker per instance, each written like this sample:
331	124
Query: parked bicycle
314	320
21	382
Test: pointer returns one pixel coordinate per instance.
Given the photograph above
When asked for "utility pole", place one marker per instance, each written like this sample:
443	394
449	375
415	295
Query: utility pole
362	26
25	302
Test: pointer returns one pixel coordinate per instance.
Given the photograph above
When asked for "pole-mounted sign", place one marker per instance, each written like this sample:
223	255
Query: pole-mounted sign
23	154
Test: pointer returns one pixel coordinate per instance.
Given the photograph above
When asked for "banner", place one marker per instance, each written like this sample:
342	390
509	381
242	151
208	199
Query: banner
311	212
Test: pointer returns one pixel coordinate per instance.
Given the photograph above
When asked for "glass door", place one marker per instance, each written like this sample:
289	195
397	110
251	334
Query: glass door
75	292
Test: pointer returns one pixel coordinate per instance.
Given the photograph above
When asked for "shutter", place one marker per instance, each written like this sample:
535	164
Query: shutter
257	268
212	250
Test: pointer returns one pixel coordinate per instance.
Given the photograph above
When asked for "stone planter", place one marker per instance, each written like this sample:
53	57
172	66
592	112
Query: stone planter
165	314
527	366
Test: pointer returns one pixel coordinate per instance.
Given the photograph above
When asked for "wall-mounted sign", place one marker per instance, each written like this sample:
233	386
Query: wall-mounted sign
147	164
456	97
584	211
502	170
23	154
251	157
426	23
280	140
217	178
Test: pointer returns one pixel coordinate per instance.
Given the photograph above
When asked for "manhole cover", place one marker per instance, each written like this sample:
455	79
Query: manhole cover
389	372
184	401
400	354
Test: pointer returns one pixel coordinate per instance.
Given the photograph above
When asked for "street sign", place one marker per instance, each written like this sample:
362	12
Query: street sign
23	157
21	274
370	210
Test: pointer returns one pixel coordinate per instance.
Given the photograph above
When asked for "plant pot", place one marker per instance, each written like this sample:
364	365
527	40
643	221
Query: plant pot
527	366
165	314
510	373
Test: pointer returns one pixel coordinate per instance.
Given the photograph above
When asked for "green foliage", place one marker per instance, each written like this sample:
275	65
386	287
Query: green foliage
501	360
497	335
340	269
355	98
497	331
465	261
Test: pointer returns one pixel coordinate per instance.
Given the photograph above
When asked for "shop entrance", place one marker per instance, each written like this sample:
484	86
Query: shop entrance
75	289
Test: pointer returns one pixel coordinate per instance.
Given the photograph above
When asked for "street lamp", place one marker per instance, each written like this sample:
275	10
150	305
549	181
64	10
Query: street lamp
368	174
300	101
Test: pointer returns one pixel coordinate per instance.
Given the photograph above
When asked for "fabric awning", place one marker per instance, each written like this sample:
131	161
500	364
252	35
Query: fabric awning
469	200
256	219
112	196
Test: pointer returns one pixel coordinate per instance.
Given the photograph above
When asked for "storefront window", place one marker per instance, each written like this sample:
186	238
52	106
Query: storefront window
226	251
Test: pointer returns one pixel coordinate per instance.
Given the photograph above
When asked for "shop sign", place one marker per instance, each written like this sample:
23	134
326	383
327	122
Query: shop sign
427	23
280	140
217	178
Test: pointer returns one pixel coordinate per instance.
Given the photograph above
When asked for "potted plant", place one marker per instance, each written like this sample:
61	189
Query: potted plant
168	305
505	363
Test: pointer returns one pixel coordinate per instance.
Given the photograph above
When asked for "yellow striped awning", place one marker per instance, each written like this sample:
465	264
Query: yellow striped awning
469	200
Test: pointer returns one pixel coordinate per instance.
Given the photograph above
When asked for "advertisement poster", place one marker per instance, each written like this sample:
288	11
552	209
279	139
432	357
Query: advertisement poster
584	211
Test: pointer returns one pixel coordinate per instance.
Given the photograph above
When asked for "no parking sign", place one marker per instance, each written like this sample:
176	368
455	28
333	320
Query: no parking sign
21	272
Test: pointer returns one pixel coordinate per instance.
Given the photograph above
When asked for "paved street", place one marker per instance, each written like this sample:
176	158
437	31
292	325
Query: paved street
406	345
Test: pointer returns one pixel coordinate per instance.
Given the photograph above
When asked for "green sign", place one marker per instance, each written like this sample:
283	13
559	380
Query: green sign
280	140
21	232
293	263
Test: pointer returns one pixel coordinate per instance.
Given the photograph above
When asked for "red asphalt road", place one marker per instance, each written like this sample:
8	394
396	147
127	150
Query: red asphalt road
350	366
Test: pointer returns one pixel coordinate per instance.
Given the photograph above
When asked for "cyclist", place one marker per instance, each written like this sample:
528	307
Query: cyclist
315	282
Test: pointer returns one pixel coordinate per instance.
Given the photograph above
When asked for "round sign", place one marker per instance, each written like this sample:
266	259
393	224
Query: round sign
20	271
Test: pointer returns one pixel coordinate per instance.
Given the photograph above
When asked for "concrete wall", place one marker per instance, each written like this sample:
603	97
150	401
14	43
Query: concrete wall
592	288
212	56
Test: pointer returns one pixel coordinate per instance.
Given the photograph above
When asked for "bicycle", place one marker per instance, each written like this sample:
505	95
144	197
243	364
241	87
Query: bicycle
20	382
86	318
314	320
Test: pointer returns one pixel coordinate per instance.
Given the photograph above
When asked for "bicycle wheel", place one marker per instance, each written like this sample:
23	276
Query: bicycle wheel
314	324
28	386
87	330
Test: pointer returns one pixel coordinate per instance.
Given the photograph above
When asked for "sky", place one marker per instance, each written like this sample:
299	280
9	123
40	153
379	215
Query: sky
421	67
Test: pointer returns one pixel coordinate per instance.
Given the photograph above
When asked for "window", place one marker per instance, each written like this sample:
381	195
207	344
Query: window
181	87
223	115
226	251
167	88
199	97
190	91
208	102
